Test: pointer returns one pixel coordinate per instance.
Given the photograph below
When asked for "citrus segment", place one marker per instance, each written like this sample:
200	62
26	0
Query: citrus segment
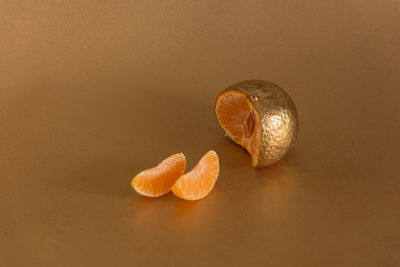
158	180
199	182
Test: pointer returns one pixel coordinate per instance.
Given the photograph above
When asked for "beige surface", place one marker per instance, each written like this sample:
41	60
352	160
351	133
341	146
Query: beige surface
92	92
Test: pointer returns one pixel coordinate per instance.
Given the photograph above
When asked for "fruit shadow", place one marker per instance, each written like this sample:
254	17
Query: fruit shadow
175	208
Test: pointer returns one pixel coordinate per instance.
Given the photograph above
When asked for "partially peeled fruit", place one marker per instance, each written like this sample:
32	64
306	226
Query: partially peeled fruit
259	116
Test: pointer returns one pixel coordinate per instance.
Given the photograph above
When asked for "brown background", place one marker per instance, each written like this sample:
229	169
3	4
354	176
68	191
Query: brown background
92	92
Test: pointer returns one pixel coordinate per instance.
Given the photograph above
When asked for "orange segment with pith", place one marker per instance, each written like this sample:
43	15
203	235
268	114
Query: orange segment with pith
157	181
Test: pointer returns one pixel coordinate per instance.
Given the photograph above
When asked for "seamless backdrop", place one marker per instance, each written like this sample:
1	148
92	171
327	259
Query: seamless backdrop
92	92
